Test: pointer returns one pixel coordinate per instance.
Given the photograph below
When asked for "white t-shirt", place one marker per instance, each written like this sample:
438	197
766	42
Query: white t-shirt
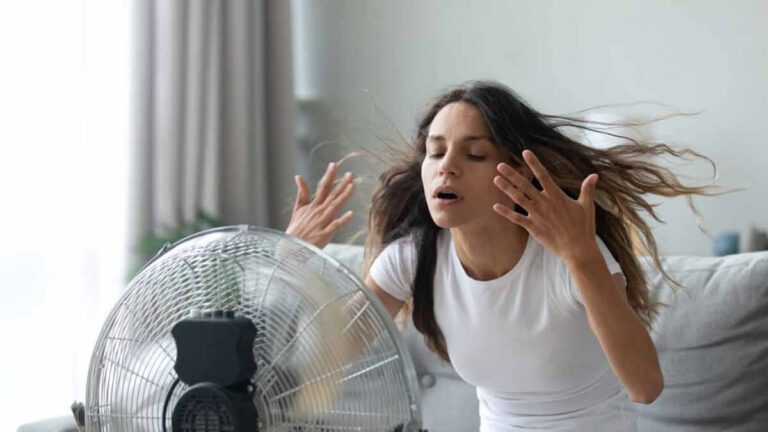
523	339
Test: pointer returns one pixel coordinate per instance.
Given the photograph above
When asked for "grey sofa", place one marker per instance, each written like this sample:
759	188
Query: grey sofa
712	340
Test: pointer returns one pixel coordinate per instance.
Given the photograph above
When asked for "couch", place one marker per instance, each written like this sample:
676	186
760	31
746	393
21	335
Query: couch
712	340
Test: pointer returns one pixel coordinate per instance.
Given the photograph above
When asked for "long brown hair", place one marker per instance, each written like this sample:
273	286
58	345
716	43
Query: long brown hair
626	171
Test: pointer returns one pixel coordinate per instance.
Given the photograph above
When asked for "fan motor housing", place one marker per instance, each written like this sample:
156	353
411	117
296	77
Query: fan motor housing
209	407
216	347
214	356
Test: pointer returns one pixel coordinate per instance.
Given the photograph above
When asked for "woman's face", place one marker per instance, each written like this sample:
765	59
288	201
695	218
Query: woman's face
459	167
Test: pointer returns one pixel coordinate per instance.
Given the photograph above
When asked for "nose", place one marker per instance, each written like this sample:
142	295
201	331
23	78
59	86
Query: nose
448	165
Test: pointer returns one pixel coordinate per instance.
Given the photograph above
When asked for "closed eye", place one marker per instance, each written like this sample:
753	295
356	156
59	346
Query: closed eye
470	157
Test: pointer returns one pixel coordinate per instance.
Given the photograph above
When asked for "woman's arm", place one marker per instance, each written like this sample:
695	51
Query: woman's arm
391	303
566	226
624	339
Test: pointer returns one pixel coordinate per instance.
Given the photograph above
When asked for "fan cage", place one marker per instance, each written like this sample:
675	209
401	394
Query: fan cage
328	356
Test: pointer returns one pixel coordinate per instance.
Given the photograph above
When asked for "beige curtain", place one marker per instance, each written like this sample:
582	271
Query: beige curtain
212	114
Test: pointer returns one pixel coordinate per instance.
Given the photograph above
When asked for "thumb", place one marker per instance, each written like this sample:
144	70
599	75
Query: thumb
589	189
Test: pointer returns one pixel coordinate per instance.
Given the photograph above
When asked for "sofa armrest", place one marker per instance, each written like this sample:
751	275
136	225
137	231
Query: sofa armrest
54	424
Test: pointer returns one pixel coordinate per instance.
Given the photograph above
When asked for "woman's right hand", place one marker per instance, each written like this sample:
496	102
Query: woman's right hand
315	219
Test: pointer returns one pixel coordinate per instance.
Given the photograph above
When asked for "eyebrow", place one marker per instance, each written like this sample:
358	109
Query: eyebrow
466	138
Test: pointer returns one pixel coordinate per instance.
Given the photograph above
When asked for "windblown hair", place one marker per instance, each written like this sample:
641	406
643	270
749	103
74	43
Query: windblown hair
627	175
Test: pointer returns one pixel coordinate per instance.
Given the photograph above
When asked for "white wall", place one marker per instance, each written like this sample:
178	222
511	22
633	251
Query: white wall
561	56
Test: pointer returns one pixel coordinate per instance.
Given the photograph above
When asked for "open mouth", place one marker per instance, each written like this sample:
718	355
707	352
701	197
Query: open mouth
446	195
449	196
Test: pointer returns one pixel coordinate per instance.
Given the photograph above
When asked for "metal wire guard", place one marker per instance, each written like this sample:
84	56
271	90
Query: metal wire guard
328	358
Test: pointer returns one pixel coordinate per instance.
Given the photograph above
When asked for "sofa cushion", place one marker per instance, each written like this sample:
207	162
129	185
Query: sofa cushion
712	341
349	255
448	403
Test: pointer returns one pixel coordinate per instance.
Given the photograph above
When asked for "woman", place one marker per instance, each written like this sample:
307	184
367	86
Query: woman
512	242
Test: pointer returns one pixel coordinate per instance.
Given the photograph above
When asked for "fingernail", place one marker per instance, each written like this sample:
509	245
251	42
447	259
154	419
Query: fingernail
347	175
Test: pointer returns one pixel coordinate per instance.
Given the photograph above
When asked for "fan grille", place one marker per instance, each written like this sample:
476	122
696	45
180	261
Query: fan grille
326	358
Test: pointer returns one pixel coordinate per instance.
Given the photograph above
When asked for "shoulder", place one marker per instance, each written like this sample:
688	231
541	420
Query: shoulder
549	259
401	244
398	252
394	268
614	268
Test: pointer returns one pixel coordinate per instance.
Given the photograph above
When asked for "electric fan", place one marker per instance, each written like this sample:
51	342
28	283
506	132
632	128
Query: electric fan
248	329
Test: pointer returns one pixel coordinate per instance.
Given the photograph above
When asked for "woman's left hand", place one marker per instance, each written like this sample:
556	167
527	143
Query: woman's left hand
564	225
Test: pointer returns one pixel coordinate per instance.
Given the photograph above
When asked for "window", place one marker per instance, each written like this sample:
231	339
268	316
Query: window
63	163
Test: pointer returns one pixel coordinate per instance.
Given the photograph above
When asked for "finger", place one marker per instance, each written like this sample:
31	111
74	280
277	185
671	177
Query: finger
339	222
344	195
302	194
518	180
331	206
340	186
589	189
338	199
540	172
324	187
511	191
513	216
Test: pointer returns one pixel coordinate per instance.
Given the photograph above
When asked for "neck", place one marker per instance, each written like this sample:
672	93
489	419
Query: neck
489	252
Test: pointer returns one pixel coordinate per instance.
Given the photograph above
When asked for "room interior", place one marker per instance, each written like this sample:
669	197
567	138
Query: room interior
133	124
